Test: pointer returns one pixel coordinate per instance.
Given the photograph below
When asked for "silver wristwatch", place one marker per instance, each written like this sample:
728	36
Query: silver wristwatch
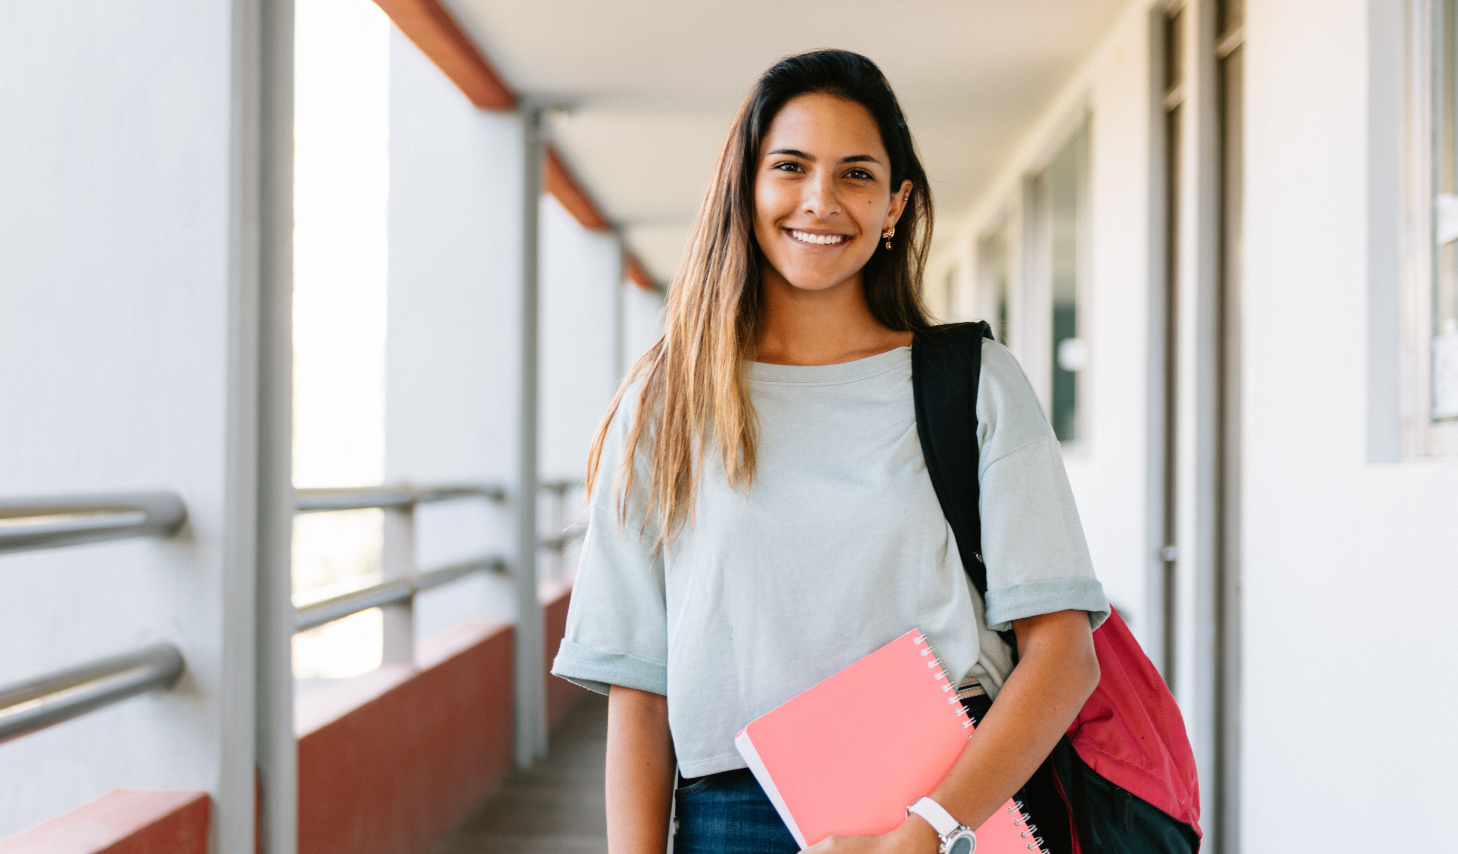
956	839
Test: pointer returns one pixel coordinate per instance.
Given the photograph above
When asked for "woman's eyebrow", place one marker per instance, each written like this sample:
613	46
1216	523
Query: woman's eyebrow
854	158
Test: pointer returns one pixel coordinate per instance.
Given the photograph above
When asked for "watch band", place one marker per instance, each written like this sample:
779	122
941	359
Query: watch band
941	821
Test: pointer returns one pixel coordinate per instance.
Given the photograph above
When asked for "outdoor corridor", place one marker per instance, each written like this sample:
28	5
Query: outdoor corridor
310	311
554	807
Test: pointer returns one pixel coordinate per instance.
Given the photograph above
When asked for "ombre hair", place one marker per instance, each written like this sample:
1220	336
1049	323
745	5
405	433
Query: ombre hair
692	388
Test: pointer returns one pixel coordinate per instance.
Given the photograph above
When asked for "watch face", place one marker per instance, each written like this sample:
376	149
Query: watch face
962	843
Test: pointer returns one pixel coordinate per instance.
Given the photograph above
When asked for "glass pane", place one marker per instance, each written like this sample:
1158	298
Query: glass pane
1070	354
1445	218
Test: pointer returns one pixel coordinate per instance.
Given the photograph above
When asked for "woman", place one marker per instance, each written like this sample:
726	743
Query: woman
760	513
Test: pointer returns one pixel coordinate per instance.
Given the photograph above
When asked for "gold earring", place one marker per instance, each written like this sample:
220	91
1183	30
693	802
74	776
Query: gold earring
889	233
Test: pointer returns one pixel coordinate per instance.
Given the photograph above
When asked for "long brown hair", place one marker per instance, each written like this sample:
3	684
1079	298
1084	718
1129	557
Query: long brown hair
692	387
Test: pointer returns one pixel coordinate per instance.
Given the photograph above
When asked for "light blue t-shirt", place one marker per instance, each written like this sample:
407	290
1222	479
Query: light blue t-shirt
839	547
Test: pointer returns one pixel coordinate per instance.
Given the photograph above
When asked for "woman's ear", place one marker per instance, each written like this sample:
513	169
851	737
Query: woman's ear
898	204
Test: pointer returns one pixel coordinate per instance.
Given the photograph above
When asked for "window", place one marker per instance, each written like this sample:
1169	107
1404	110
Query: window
1431	315
1444	323
1058	197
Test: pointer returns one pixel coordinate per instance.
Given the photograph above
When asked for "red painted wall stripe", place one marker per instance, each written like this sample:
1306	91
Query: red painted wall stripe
125	821
392	761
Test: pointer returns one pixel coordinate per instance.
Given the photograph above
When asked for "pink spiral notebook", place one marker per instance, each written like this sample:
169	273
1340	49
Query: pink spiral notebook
850	754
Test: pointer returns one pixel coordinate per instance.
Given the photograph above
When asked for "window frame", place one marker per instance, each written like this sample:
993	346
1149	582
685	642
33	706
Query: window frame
1422	435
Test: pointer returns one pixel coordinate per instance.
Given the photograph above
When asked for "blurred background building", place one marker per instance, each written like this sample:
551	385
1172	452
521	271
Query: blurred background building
309	309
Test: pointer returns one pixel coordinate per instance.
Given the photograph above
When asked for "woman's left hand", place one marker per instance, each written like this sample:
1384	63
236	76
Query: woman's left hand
913	836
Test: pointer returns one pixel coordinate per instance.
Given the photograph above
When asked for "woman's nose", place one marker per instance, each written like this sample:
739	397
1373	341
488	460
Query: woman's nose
821	199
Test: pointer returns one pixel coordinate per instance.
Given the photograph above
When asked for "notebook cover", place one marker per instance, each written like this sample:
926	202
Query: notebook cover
848	755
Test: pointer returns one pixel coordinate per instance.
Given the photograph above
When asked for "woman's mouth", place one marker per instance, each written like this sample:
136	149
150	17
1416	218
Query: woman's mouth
817	239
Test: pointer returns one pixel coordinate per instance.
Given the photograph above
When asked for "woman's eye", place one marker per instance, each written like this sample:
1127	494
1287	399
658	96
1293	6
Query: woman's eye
860	175
788	167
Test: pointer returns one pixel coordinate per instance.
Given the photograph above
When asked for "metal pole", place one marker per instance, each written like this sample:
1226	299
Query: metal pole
48	700
275	746
397	563
529	669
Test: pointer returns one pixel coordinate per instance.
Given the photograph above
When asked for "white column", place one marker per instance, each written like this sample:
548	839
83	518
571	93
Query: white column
531	709
276	749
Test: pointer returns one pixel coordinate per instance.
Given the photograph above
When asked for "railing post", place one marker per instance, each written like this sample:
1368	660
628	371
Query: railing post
528	667
397	563
556	521
276	748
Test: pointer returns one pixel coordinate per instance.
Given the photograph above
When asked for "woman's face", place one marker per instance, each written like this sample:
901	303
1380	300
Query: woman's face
822	192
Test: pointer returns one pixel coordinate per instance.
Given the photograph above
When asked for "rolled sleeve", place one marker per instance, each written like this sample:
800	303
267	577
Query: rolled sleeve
1033	544
1032	598
617	624
597	669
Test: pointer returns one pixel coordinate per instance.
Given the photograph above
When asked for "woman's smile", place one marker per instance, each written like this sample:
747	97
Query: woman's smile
814	239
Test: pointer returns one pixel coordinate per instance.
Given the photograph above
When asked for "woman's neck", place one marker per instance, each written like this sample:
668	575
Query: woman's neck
800	326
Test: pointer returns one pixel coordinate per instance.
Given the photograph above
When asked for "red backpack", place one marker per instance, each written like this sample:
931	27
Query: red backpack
1124	774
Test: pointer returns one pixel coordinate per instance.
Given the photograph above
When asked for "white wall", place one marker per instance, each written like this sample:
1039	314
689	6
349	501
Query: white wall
1348	565
580	269
642	322
453	326
125	352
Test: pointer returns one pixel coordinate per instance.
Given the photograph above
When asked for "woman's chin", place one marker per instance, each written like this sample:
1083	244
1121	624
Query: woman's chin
817	280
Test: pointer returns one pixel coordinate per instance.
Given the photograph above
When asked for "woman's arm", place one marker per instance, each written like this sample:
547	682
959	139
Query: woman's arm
1057	671
640	772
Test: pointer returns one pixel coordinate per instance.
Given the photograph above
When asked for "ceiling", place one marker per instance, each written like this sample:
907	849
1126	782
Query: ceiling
649	86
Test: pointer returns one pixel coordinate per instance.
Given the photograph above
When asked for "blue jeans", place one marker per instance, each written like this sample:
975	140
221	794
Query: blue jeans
728	813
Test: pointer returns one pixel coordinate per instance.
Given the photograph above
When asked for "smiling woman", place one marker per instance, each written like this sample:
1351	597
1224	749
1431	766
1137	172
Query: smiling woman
781	166
837	199
770	519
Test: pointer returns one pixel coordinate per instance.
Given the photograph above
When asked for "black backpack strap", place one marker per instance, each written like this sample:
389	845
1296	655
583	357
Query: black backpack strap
946	364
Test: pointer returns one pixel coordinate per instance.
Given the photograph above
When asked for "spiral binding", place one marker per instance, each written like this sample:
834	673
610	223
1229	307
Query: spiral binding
1029	829
943	678
1017	809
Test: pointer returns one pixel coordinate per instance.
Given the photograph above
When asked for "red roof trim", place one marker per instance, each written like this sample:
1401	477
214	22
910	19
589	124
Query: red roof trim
565	189
639	276
436	33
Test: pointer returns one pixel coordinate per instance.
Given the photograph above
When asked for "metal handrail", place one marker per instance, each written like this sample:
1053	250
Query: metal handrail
400	590
560	487
446	574
382	593
44	523
48	700
345	604
389	497
564	539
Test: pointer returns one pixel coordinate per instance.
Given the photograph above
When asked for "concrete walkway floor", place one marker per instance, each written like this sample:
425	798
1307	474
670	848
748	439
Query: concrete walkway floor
556	806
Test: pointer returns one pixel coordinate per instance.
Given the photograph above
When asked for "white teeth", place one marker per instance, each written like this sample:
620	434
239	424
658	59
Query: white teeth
822	239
